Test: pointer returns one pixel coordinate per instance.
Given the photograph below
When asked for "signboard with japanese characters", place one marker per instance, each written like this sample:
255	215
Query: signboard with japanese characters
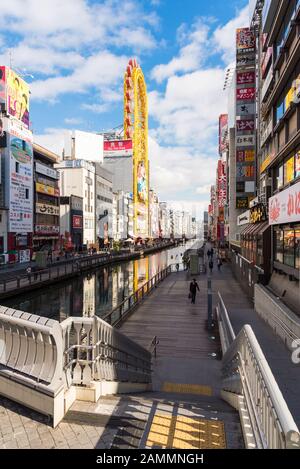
245	125
245	109
245	94
284	207
245	141
245	78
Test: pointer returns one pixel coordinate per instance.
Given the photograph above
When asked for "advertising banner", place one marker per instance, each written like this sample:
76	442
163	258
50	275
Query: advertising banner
245	41
245	109
118	148
244	218
77	221
284	207
245	125
245	156
49	190
17	97
222	184
47	209
20	186
223	129
46	229
245	94
2	86
242	202
243	78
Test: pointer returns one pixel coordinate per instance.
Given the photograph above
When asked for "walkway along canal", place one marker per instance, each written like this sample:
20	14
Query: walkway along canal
93	289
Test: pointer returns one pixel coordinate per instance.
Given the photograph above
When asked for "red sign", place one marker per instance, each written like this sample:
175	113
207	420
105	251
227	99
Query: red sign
245	124
244	78
223	132
118	148
245	94
77	221
222	184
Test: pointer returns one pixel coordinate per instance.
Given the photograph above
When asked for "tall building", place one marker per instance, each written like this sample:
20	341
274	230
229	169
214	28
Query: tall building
103	204
277	28
71	222
46	233
16	207
77	177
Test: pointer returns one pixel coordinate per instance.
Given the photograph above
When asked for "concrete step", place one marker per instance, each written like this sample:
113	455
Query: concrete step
164	420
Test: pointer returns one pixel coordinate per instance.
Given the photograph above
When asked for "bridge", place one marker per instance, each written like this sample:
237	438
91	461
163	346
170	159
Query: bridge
153	375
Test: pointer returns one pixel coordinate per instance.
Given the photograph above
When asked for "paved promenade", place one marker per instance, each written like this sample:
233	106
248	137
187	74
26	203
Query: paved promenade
185	409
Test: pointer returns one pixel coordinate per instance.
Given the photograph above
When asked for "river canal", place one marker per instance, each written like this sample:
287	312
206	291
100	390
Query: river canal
97	292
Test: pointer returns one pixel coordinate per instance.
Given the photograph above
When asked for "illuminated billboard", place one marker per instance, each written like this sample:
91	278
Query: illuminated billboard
136	128
17	95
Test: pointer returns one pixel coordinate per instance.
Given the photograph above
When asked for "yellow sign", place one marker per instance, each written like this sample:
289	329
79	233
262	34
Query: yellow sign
136	128
249	155
17	97
46	189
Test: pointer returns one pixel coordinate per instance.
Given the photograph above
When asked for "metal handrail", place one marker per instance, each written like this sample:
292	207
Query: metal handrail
135	298
267	407
154	343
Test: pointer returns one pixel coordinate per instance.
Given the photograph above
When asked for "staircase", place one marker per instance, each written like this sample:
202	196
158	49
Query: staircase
160	420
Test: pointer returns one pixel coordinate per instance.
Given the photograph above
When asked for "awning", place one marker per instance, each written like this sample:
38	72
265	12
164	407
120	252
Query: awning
246	230
262	228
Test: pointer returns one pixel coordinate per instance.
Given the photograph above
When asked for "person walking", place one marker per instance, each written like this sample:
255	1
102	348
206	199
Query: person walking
177	267
193	290
211	265
219	263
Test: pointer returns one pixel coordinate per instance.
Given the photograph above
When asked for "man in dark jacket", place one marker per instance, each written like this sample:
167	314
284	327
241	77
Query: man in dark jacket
193	290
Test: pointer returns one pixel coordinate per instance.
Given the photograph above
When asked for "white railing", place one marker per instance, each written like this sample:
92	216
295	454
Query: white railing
31	350
246	371
279	317
95	351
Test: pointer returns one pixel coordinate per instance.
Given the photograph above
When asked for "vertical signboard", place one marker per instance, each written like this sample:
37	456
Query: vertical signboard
21	182
245	117
223	133
17	95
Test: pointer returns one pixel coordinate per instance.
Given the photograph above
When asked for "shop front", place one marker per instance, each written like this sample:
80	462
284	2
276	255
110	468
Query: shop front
284	216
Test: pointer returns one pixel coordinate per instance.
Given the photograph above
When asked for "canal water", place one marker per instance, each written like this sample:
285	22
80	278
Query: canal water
97	292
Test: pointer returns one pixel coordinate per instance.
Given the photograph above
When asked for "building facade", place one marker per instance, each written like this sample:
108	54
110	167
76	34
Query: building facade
71	222
46	233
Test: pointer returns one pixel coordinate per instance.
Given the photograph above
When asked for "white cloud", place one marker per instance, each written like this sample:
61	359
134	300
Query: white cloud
190	55
224	36
102	69
72	121
52	138
187	113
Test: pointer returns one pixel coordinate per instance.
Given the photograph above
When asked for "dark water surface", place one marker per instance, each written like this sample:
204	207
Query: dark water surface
97	292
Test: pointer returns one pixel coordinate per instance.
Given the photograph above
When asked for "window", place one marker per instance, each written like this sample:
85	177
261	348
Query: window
289	170
278	245
280	110
297	248
297	163
17	167
279	177
289	245
27	193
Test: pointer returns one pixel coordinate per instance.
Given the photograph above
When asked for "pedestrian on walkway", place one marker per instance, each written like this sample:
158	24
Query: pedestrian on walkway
177	267
28	270
193	290
219	263
211	265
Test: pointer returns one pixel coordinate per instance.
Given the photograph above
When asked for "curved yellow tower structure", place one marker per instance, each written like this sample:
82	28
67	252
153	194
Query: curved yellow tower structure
136	128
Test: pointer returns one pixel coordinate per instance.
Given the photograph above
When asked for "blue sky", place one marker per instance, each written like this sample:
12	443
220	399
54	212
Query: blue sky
76	52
